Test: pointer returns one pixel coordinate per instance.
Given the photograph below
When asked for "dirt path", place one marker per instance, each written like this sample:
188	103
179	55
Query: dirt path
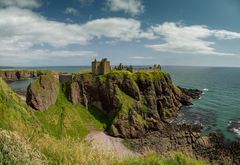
109	144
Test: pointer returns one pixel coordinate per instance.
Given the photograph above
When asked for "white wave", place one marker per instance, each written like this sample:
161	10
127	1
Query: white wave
229	123
205	89
237	131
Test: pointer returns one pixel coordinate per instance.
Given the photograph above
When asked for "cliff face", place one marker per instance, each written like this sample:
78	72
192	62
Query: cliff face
136	102
9	76
43	92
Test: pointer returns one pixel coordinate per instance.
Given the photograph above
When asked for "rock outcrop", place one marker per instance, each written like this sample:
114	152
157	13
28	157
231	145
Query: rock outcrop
43	92
136	102
188	139
13	75
193	93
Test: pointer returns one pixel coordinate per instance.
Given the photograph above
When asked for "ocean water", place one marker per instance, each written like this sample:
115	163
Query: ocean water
218	109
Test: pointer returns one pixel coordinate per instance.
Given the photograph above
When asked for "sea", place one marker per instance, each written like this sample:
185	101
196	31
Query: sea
218	109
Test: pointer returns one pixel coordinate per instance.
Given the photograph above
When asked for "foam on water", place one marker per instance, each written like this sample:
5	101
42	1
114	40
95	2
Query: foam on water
234	126
205	89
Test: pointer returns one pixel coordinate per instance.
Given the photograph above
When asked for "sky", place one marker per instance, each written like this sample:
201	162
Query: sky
136	32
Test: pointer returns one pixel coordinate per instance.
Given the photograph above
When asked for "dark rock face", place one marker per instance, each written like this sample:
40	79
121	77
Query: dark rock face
137	102
193	93
188	139
43	92
10	76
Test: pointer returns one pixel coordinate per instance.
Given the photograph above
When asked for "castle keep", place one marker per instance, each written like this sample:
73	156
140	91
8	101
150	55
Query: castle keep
101	67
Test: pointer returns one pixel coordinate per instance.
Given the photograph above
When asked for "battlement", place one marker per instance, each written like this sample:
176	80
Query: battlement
101	67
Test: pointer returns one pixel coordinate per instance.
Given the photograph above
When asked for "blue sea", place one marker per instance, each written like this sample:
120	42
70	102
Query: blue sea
218	109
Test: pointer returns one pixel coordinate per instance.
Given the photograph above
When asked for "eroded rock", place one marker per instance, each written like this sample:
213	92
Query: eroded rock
43	92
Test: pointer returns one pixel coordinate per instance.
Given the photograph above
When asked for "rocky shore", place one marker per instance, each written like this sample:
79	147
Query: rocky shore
188	139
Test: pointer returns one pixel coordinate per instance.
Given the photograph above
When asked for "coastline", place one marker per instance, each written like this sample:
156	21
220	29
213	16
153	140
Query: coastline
185	138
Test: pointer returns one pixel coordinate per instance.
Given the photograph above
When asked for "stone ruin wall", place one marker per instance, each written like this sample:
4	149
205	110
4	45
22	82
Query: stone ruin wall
146	70
63	78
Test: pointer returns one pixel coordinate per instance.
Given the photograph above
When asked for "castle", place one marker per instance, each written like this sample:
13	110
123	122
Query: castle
104	67
101	67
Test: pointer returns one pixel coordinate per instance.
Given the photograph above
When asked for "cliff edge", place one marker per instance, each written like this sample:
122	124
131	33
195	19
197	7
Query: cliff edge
135	102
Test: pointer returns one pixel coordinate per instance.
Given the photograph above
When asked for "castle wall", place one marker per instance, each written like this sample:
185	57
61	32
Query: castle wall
63	78
95	67
106	68
146	70
101	67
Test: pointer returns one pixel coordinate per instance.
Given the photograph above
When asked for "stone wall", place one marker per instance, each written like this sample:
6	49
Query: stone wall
63	78
101	67
155	68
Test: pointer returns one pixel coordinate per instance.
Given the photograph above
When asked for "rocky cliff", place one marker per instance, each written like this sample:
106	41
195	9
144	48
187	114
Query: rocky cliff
13	75
43	92
136	102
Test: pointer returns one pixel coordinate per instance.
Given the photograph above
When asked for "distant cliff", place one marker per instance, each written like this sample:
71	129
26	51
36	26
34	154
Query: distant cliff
13	75
134	102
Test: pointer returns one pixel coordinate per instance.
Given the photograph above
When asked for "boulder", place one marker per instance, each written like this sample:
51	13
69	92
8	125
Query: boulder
43	92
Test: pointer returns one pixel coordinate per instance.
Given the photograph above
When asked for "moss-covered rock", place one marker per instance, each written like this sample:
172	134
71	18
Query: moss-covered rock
136	102
43	92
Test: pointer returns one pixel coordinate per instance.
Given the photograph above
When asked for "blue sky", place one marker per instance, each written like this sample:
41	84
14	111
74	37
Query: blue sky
138	32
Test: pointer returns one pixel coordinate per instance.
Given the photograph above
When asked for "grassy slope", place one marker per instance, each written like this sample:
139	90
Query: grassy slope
60	120
64	119
15	115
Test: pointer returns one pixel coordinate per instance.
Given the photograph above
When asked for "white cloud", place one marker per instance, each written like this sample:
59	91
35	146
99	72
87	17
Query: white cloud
19	57
224	34
22	32
70	10
133	7
23	29
21	3
117	28
26	28
141	58
189	39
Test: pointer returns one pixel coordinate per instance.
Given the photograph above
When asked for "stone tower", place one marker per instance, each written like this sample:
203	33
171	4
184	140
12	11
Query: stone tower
101	67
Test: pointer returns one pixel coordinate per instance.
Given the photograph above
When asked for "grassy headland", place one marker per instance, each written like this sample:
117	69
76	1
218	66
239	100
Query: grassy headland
56	135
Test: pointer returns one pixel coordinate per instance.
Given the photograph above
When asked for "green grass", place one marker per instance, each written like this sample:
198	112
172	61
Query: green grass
127	102
175	158
150	75
14	113
64	119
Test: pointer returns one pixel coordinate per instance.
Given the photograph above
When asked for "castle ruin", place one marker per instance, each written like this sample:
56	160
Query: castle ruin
155	68
101	67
